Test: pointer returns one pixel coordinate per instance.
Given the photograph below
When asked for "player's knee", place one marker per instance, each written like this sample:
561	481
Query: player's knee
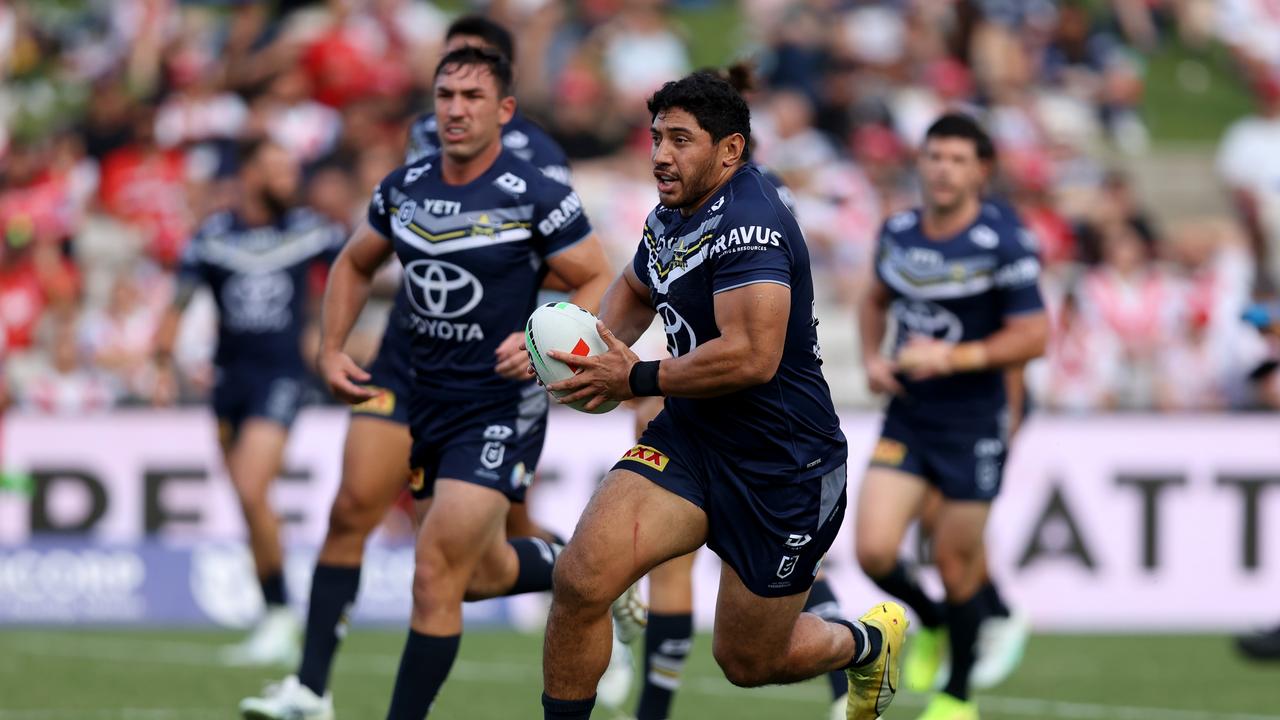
433	581
576	584
351	516
876	558
741	668
958	569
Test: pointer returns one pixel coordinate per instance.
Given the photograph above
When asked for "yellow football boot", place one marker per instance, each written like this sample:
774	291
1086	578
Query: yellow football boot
946	707
924	657
872	686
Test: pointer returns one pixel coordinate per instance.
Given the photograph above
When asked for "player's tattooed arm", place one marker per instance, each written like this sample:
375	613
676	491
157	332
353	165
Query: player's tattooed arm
345	294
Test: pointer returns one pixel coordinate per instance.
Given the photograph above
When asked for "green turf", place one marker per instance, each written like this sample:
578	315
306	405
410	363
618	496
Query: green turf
59	675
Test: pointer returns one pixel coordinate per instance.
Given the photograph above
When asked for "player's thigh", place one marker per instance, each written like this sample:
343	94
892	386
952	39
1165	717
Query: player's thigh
375	469
630	525
464	521
749	626
887	503
671	586
257	456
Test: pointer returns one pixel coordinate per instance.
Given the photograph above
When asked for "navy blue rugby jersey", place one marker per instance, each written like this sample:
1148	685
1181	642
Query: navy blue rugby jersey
523	137
474	258
258	275
744	235
957	289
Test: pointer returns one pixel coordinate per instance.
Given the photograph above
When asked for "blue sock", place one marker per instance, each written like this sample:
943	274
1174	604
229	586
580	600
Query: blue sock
424	665
553	709
537	562
273	593
994	602
822	602
333	592
867	641
667	640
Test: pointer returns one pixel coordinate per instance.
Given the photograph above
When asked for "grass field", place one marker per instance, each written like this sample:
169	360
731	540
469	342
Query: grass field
111	675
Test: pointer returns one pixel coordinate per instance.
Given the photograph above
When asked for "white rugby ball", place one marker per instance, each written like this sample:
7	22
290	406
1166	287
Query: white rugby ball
568	328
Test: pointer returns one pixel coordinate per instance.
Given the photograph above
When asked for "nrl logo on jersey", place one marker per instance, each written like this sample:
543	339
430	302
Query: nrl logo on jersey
406	211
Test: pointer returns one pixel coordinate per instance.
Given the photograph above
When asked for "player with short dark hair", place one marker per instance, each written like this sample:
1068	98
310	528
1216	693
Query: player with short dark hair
374	470
747	455
476	229
521	136
958	277
255	259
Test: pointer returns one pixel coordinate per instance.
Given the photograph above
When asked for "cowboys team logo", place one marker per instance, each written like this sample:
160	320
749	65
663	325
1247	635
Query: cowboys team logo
258	302
406	211
680	337
440	289
927	319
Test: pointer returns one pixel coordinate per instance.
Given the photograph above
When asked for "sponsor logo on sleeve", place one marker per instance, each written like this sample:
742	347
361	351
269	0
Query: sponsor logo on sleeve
566	212
646	455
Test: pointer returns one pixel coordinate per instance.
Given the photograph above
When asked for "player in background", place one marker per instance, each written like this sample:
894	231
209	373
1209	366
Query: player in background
668	635
255	259
374	467
959	279
476	229
727	462
1265	644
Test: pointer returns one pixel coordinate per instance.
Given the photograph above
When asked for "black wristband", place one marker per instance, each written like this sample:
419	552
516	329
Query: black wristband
644	379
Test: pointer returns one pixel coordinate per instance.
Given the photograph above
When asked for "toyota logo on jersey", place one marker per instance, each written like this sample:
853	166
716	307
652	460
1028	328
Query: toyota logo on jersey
440	289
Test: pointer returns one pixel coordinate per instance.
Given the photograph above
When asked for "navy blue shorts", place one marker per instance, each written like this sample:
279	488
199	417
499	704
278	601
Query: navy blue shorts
391	380
773	531
242	394
965	462
493	443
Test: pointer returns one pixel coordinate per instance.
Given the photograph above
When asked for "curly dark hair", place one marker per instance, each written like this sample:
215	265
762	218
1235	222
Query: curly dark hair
712	101
497	64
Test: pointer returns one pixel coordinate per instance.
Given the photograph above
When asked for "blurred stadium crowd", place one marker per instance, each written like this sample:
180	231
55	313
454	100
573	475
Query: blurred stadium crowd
119	119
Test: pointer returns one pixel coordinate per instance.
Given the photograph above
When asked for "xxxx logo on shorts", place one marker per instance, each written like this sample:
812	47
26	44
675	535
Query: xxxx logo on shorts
417	480
646	455
889	452
384	403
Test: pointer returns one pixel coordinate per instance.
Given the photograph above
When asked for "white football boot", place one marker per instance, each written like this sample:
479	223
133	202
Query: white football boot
615	684
630	616
275	641
1001	644
287	700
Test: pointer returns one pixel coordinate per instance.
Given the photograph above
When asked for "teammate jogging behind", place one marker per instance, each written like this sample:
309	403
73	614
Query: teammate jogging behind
255	258
958	278
375	455
747	455
476	230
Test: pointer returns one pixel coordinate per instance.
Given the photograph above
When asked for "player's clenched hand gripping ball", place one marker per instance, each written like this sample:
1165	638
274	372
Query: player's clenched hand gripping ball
567	330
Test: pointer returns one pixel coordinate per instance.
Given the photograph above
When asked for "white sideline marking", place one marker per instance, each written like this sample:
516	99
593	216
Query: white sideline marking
379	664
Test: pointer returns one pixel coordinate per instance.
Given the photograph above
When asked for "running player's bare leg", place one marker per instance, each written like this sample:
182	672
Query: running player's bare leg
760	640
630	526
519	524
888	502
958	547
671	586
375	470
254	462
